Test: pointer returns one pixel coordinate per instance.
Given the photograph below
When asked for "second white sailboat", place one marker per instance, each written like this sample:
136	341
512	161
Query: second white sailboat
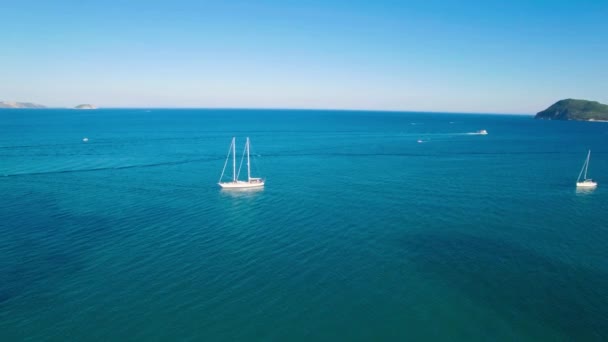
585	182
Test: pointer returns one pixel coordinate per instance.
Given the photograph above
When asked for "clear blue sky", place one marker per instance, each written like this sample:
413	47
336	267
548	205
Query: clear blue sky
461	56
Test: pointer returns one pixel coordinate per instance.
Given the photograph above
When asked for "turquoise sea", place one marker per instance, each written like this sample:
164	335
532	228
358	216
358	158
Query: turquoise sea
361	233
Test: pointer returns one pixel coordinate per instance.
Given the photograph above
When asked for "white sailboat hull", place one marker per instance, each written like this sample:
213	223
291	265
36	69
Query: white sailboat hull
586	184
241	184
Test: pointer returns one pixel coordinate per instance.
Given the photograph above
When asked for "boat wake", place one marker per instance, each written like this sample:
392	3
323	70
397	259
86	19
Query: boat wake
481	132
95	169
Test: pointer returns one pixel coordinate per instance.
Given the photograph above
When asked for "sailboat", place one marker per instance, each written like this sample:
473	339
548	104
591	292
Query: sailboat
586	182
235	183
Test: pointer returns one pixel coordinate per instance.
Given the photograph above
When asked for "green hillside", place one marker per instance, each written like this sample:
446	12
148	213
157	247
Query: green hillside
571	109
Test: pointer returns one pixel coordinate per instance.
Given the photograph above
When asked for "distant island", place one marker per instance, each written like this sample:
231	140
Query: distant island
8	104
571	109
85	106
26	105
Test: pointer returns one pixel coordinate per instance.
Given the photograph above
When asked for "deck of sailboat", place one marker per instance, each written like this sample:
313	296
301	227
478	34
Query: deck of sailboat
587	183
242	184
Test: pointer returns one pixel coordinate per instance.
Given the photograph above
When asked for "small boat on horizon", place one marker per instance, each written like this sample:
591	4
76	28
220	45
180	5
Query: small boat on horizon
251	182
482	132
585	182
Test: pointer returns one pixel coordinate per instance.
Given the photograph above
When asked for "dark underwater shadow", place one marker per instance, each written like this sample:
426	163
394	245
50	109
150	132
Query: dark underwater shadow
515	282
44	244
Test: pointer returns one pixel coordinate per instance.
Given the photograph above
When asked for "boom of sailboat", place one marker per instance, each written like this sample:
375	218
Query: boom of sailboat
235	183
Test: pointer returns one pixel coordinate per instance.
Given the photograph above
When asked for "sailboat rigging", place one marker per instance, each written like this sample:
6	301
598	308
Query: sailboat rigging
235	183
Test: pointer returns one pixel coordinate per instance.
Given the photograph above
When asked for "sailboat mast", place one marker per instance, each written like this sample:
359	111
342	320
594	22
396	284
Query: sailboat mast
248	162
234	160
587	163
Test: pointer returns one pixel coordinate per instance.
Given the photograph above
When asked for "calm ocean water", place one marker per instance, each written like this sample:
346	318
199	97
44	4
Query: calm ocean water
361	233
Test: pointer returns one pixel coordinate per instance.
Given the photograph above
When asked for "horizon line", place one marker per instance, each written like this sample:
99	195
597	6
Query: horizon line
292	109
